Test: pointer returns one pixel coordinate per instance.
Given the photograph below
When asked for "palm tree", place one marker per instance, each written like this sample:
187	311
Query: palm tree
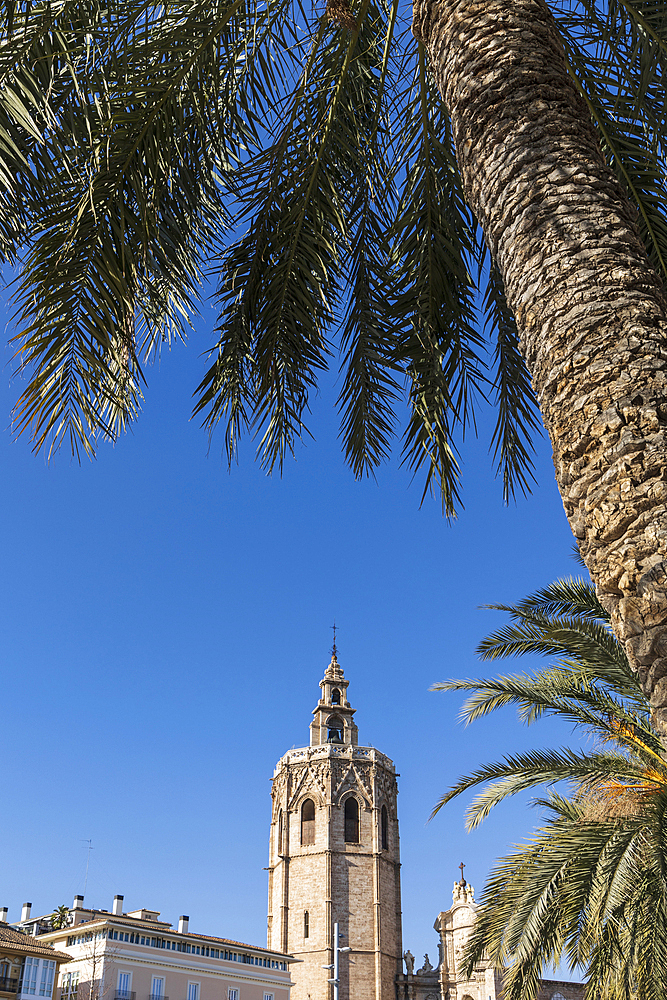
60	917
137	140
591	884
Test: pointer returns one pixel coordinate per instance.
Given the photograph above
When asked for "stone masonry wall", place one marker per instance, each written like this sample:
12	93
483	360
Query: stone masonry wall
357	885
549	988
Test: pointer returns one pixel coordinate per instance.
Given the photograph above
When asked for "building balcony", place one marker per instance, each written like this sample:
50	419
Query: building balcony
157	996
8	985
124	995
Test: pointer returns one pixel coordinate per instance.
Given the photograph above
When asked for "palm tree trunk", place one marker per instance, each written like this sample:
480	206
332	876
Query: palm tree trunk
590	309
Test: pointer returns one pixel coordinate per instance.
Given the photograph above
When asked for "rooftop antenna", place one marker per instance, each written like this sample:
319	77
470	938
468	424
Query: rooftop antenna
90	848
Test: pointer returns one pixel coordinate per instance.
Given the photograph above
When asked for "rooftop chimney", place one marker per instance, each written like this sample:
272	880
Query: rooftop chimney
78	903
117	908
25	912
3	914
183	924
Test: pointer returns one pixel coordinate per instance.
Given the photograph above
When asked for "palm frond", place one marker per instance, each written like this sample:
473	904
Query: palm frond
520	772
304	187
518	415
591	884
368	340
620	76
434	307
115	269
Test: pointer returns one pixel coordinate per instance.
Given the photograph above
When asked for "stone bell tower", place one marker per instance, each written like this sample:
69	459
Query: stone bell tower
334	856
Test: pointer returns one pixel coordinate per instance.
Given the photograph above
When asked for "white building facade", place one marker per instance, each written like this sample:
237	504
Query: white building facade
136	956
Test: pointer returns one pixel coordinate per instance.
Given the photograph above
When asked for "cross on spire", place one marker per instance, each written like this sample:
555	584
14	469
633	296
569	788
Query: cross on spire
334	650
463	881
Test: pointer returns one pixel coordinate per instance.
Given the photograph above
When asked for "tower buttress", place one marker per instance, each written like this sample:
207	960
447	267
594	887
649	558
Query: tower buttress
334	856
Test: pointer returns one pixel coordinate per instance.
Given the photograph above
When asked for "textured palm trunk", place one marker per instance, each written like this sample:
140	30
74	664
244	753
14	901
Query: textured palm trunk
589	307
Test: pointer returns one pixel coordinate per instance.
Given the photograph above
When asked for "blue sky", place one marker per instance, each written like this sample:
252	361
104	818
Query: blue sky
164	628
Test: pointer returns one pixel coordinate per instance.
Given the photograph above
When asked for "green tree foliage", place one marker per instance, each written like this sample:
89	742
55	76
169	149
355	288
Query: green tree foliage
304	156
590	885
60	917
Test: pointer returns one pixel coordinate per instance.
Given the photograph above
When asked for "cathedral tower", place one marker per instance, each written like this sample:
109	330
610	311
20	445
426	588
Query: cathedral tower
334	856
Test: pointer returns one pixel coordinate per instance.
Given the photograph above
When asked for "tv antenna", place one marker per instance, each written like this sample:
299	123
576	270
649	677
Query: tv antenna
90	848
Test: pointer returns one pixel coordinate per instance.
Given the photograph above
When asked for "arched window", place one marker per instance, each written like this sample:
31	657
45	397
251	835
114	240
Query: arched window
335	697
281	833
384	828
351	821
307	823
306	923
334	729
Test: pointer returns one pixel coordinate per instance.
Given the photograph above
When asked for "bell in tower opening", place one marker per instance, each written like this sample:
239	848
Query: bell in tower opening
334	857
334	729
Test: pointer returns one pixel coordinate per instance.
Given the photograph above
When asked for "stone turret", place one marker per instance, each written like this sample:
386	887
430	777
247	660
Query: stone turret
455	927
333	720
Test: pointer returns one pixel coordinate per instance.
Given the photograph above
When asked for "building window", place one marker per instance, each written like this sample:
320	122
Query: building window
306	924
307	823
268	996
232	994
46	984
124	981
384	823
30	976
193	991
281	834
157	988
335	697
351	821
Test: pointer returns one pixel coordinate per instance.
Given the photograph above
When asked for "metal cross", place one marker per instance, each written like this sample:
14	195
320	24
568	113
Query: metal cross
334	627
462	866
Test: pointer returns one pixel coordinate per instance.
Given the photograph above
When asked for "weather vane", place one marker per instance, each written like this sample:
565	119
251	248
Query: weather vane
334	650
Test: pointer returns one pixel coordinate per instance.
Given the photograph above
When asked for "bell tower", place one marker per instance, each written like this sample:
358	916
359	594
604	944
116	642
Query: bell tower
334	856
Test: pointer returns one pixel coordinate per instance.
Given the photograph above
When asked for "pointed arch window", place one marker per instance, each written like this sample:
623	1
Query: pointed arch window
384	829
351	821
335	697
307	823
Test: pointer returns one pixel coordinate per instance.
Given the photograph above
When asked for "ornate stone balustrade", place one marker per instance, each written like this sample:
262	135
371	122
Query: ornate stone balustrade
334	750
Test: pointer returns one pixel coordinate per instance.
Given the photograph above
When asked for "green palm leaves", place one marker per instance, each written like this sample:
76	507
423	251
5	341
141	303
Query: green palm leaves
60	917
591	883
304	157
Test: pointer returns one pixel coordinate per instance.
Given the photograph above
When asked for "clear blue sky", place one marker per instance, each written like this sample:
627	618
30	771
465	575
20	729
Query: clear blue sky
164	627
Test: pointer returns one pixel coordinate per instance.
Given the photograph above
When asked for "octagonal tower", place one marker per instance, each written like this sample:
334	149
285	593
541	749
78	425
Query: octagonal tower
334	856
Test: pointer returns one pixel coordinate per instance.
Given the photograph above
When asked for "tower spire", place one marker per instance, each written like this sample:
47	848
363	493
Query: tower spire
333	720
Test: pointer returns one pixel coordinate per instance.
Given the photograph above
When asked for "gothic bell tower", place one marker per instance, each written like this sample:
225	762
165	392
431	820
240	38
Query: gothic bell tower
334	856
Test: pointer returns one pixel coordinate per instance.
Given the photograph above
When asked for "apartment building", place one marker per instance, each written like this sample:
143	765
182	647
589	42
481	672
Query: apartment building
28	967
136	956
